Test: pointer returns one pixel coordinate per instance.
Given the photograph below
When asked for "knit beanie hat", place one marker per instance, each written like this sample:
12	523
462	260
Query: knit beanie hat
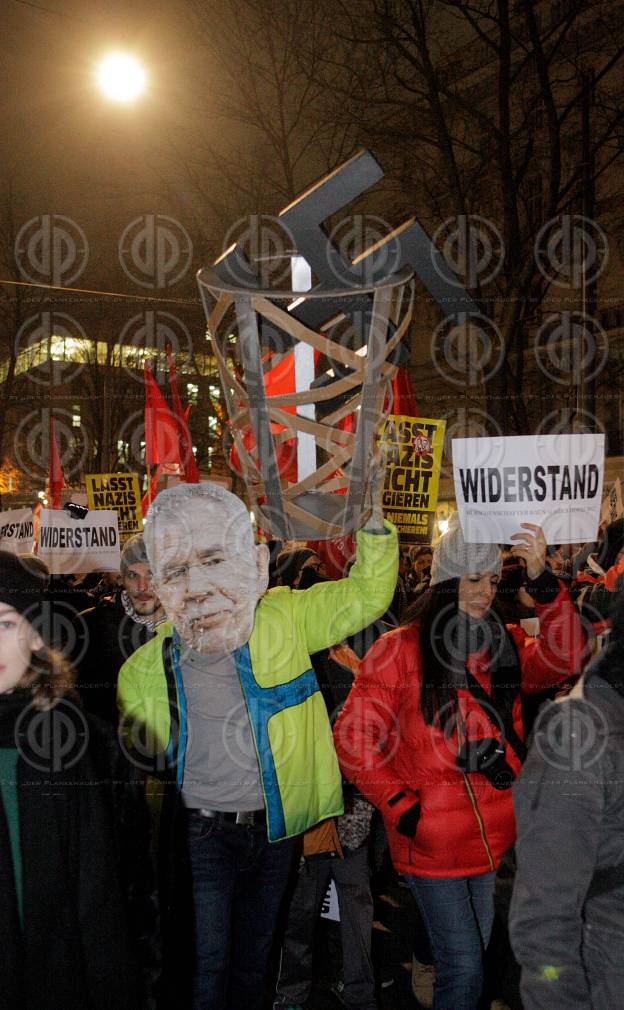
23	581
133	552
453	557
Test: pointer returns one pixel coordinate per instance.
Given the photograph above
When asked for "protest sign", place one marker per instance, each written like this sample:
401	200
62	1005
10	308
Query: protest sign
554	481
79	545
119	491
612	506
411	449
17	531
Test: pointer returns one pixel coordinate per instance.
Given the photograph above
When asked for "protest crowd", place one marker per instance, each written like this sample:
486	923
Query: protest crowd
234	729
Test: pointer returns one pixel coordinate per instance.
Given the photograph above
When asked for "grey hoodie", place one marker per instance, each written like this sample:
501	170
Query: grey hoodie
569	803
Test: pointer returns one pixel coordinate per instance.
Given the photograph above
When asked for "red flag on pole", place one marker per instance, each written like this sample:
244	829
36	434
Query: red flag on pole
55	472
189	466
151	492
161	433
403	399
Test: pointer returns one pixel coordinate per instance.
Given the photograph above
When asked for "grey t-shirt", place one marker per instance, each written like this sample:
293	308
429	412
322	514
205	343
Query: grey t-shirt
221	766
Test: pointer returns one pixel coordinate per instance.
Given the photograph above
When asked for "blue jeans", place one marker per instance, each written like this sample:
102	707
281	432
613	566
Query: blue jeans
239	879
458	913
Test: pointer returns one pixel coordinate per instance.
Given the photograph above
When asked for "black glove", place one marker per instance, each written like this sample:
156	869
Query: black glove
408	822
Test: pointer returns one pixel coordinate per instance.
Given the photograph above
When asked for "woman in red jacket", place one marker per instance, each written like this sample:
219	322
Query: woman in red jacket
432	734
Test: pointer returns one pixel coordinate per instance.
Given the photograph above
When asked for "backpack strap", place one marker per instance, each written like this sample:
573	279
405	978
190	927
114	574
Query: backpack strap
483	699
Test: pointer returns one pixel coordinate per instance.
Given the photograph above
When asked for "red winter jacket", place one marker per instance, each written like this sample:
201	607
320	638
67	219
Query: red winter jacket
386	748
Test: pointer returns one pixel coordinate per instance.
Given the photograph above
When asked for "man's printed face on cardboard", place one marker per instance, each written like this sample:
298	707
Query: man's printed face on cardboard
209	575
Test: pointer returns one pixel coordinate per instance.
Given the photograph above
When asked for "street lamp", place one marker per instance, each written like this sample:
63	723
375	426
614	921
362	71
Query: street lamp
121	77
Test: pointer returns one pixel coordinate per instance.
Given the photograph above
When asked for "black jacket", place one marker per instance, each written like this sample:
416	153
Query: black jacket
88	906
567	913
105	636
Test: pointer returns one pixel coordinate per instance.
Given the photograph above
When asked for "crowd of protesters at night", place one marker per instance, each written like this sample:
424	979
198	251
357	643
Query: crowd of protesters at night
191	752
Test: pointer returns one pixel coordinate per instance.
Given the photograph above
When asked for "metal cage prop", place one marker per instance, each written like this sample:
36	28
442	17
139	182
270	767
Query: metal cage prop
305	450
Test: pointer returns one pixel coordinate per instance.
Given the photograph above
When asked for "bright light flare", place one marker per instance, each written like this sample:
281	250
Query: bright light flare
121	77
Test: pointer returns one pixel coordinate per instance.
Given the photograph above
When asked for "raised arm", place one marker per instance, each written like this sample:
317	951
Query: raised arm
331	611
558	652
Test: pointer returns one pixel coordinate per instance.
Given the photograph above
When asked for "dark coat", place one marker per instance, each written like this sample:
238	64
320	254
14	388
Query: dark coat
105	636
569	802
88	907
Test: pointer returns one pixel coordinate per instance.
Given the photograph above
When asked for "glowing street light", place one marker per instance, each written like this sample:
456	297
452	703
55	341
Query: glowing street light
121	77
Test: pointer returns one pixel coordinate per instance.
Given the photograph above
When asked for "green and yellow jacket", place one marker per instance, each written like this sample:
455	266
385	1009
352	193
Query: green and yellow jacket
299	770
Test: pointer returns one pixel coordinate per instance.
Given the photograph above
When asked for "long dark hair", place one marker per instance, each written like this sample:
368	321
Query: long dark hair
438	694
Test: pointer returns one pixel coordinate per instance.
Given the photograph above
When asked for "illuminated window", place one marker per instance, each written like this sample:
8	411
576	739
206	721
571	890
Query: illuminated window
192	391
212	423
76	415
64	348
214	390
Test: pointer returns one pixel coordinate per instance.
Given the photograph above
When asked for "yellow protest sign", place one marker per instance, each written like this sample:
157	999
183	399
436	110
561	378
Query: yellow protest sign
119	491
412	453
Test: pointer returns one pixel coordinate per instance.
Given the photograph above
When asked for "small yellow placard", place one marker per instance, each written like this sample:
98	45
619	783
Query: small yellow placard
412	453
119	491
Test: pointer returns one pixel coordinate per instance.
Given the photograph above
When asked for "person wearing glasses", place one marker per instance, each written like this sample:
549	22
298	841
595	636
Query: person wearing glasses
226	700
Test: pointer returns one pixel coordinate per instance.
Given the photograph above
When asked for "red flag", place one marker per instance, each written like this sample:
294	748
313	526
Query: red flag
161	433
151	492
403	399
278	380
189	466
55	472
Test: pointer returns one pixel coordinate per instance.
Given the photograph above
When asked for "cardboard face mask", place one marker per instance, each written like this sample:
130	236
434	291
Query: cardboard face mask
209	575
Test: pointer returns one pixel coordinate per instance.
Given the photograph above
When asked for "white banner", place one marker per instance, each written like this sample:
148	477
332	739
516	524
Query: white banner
17	531
79	545
554	481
